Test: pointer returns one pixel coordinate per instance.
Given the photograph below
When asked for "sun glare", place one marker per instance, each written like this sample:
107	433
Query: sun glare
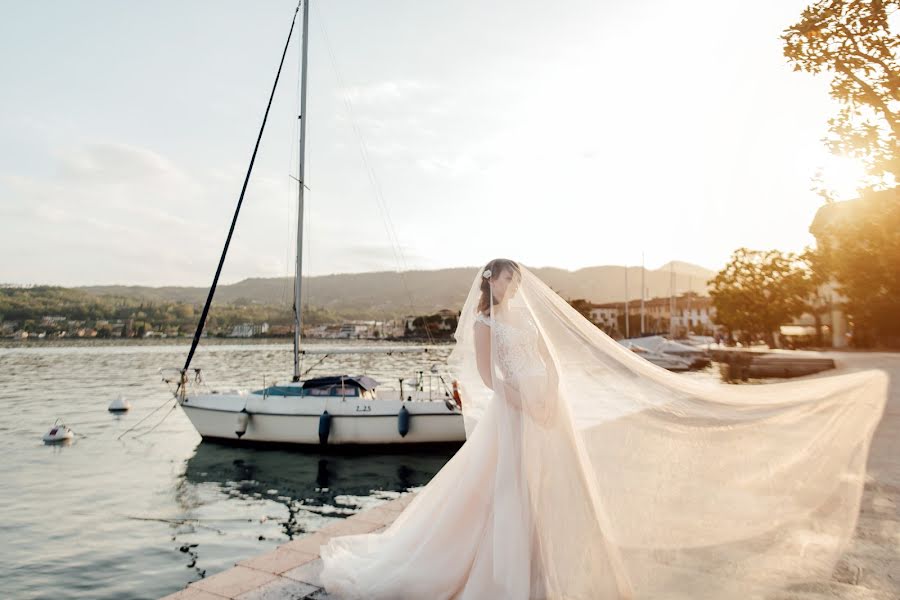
843	176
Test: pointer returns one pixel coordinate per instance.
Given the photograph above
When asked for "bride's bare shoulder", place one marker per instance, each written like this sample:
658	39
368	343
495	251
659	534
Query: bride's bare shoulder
483	319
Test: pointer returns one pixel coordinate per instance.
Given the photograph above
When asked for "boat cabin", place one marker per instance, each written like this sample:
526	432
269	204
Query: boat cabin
361	386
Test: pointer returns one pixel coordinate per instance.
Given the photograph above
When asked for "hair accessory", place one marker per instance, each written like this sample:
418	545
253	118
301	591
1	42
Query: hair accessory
486	274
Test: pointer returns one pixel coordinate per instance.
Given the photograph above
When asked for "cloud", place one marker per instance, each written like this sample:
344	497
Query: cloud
118	163
112	180
384	91
107	210
454	166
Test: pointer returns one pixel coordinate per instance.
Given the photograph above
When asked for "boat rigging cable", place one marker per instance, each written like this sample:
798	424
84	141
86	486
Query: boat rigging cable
396	247
237	210
147	416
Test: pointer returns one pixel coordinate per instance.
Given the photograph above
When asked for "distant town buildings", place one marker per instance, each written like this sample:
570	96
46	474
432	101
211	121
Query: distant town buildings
606	315
685	314
436	326
246	330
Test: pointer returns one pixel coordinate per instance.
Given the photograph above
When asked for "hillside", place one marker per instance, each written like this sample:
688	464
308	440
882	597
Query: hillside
385	293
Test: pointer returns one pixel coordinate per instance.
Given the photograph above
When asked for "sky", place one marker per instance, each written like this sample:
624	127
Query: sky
439	134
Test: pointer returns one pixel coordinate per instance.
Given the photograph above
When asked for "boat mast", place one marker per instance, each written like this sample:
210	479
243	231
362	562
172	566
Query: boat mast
301	184
672	305
237	210
642	293
627	319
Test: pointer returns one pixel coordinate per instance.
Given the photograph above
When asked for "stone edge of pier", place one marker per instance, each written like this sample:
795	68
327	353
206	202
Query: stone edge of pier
292	569
868	570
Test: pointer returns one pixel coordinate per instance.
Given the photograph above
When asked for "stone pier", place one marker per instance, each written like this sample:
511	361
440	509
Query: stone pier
869	570
291	571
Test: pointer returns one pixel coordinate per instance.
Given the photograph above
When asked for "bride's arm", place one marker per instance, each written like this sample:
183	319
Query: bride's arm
483	360
483	352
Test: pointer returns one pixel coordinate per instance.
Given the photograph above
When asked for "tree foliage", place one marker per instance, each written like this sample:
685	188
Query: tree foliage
852	39
861	252
758	291
29	305
582	306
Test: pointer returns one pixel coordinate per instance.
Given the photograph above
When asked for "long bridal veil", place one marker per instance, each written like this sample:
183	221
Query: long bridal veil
588	473
614	478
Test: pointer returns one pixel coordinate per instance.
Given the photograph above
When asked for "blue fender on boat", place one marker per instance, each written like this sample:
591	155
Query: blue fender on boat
324	427
240	427
403	418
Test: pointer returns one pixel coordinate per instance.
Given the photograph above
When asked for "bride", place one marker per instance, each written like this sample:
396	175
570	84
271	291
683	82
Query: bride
590	473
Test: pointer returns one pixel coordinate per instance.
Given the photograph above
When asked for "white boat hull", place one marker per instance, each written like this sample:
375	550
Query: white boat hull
295	420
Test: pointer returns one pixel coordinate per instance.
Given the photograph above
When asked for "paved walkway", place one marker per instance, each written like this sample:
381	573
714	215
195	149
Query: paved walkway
291	571
869	570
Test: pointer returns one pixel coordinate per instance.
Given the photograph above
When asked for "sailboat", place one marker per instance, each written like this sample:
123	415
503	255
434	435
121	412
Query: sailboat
331	410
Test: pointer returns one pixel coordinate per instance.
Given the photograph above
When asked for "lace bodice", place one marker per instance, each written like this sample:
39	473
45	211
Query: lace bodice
517	347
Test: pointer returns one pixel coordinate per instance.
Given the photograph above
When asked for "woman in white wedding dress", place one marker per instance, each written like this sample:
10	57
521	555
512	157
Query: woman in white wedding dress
589	473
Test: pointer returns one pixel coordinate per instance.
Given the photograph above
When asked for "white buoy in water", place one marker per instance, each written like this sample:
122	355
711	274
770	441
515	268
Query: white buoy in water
58	433
120	404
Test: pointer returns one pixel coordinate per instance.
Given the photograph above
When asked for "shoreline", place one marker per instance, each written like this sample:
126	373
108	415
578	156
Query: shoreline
212	341
287	341
291	570
866	571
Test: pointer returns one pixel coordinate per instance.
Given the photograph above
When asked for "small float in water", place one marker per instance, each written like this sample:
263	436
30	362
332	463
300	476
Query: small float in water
58	433
119	405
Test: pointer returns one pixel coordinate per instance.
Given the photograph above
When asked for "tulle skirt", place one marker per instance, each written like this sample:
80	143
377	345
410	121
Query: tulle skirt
605	477
467	535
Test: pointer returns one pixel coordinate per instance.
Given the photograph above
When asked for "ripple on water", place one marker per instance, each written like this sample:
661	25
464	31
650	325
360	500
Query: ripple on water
143	516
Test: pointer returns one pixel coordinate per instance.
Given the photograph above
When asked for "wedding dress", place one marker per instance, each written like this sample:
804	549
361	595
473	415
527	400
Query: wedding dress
590	473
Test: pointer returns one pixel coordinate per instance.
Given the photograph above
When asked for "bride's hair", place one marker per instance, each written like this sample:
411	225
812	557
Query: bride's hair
496	268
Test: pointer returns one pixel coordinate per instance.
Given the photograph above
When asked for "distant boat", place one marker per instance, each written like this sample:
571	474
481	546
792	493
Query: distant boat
668	354
666	361
700	340
335	410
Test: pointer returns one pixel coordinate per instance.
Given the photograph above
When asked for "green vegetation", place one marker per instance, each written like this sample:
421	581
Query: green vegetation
55	310
439	325
758	291
861	253
858	243
63	312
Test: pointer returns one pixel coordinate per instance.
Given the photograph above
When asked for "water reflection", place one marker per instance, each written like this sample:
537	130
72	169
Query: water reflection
304	482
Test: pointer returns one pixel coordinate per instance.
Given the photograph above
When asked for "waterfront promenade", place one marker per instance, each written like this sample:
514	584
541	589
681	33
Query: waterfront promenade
869	570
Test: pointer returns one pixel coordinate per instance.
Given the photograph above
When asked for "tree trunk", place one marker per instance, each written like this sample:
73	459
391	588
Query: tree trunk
818	317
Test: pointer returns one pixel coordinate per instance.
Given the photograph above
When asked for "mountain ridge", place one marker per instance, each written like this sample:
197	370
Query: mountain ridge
385	292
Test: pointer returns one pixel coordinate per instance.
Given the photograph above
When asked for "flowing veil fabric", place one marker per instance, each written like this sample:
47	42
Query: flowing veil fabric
589	473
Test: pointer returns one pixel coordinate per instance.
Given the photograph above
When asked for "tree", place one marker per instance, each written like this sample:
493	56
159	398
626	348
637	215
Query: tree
184	311
852	40
760	290
818	277
582	306
860	250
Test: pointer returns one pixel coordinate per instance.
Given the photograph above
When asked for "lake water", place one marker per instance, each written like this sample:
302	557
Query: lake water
143	516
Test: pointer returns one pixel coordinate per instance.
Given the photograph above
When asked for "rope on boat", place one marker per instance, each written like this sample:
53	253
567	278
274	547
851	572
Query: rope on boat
143	433
147	416
396	246
237	210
